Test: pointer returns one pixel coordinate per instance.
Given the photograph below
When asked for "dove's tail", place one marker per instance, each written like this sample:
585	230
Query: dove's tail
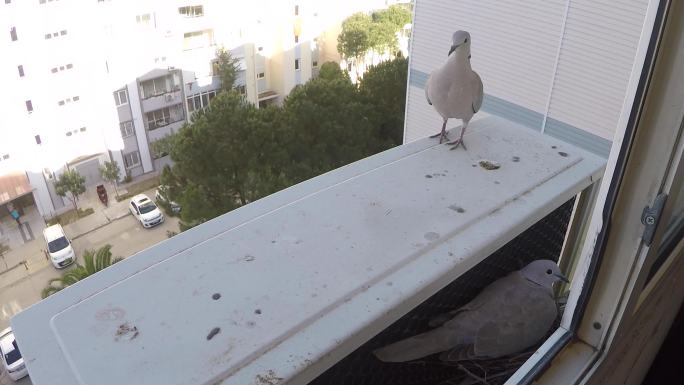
416	347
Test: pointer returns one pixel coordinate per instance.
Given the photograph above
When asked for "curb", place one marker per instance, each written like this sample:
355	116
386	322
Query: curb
100	226
22	263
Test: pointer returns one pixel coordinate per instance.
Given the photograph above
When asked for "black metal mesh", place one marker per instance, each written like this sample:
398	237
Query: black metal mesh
543	240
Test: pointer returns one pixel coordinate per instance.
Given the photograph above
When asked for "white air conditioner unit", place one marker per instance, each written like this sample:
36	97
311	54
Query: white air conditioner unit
168	97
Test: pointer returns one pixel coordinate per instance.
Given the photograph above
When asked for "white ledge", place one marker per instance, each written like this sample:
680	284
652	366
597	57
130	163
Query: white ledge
305	275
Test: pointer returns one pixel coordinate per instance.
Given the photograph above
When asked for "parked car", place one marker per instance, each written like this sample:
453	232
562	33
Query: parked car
58	246
145	211
161	195
11	356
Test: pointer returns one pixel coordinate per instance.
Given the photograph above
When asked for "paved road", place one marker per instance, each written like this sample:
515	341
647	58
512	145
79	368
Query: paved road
126	236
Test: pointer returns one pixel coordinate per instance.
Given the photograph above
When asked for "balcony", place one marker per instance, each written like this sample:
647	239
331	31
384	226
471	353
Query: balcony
160	128
162	99
287	286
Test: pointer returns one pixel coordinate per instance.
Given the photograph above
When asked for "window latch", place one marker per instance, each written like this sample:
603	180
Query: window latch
651	216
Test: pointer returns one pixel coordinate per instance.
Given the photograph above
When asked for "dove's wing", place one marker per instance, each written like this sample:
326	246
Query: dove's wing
459	332
513	314
523	320
478	92
509	315
422	345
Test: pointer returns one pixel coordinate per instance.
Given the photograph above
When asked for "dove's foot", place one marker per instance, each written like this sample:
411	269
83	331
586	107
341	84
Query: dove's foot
456	143
442	136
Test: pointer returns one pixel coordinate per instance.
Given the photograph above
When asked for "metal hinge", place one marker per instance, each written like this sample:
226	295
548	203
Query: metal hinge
651	216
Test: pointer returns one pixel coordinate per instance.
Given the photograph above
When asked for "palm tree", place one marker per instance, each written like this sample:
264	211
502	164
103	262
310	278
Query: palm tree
94	262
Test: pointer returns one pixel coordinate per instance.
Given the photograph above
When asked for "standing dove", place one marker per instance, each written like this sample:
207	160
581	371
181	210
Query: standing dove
454	89
509	315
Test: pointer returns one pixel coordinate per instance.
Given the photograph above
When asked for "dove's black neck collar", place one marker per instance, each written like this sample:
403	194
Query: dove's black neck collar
453	48
536	283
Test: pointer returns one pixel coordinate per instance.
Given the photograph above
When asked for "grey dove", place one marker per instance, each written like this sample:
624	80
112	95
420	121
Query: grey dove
509	315
454	89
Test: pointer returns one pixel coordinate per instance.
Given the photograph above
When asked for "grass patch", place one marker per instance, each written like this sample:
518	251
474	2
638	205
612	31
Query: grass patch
70	216
138	188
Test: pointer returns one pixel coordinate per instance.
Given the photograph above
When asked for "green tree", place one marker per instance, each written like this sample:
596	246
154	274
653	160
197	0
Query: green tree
220	159
396	15
228	68
93	262
383	37
111	172
354	40
328	126
330	71
384	87
70	184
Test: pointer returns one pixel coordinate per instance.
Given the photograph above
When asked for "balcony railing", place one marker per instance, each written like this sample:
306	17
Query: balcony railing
176	88
158	123
285	287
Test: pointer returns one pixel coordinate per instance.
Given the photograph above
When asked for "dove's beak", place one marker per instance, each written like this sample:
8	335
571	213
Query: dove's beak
453	48
562	278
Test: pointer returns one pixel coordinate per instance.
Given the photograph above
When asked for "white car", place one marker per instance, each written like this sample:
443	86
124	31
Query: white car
145	211
10	356
58	246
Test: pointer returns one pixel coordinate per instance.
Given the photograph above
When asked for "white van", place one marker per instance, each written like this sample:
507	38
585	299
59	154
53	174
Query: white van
58	246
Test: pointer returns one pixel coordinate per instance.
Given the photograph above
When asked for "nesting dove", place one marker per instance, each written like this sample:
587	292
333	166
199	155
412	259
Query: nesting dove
454	89
509	315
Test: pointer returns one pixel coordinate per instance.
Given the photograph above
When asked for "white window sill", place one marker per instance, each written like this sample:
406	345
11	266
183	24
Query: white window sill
328	264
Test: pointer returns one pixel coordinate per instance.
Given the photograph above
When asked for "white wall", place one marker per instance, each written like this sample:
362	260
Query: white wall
558	66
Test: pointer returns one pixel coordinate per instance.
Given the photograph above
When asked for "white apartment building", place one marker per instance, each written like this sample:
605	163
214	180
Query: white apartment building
94	81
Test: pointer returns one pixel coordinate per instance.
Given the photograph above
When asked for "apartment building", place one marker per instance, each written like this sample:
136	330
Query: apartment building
103	80
55	116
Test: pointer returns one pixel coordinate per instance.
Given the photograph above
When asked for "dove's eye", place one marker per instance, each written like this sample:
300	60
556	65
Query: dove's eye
549	272
466	40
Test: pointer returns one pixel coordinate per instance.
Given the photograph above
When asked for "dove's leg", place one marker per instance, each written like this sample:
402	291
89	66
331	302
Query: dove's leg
442	134
459	141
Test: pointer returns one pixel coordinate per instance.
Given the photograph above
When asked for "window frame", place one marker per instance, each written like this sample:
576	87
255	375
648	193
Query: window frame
125	127
185	11
153	124
200	100
117	97
601	315
133	154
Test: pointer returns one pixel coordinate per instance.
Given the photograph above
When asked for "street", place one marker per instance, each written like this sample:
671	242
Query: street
126	236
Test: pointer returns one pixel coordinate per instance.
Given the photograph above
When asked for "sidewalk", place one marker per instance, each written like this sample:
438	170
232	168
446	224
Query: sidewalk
28	257
102	215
